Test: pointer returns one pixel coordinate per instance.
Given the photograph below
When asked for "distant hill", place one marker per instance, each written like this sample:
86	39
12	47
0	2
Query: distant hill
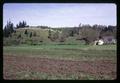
35	35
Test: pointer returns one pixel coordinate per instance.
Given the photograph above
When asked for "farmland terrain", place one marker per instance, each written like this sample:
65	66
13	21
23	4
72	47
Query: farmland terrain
60	62
58	53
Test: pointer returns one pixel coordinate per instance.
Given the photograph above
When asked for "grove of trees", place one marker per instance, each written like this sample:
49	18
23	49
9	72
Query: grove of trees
8	29
21	24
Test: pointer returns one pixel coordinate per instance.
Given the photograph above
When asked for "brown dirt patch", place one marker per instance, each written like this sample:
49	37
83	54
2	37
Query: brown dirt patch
14	64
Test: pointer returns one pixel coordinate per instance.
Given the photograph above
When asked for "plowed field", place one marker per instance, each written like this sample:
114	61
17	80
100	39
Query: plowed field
24	67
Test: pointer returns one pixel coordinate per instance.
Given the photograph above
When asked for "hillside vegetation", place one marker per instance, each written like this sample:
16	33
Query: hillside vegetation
36	35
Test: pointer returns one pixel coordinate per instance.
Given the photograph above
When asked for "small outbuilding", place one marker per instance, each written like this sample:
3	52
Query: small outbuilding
109	39
105	40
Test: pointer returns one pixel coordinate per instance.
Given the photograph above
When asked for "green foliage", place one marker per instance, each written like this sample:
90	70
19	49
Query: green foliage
21	24
72	33
54	36
11	41
71	52
88	34
62	39
29	41
49	32
30	35
8	29
63	45
14	31
61	35
68	53
26	32
19	36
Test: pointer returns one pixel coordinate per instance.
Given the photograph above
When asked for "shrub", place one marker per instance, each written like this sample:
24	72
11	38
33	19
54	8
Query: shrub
54	36
19	36
62	39
26	32
11	41
88	34
30	35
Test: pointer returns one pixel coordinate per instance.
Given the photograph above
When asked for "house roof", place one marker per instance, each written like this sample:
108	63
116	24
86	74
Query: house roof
107	37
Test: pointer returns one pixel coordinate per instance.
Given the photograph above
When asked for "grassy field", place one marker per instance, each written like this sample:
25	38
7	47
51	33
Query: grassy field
61	52
81	52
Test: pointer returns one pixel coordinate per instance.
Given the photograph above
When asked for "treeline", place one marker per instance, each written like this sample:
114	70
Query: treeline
10	28
84	32
22	24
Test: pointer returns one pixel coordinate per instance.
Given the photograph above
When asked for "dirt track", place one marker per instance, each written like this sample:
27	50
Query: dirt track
18	63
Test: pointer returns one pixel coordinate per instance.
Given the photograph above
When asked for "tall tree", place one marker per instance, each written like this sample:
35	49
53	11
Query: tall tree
49	33
88	34
26	32
30	34
21	24
8	29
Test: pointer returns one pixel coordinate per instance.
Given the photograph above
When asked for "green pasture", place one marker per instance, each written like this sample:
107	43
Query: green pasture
68	52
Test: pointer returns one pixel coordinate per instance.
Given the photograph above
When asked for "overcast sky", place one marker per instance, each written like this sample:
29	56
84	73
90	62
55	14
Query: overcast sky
60	14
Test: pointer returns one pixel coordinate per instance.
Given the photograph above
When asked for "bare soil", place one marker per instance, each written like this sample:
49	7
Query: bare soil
98	68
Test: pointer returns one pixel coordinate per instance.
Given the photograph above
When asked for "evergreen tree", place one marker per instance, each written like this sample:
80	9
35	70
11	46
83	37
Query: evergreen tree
21	24
49	32
72	33
26	32
30	34
8	29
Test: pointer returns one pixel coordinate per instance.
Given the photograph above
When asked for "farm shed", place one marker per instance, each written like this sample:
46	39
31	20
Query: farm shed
109	39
